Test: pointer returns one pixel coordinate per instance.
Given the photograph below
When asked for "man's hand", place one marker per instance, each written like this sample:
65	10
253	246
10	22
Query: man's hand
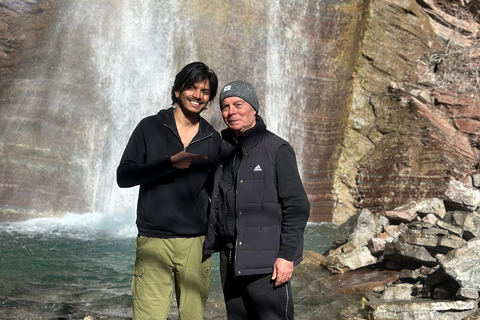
183	160
282	271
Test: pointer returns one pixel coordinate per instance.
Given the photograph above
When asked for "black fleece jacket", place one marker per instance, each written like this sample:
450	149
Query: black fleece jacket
171	203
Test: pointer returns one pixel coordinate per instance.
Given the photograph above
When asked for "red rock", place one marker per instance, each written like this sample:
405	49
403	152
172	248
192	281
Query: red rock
360	280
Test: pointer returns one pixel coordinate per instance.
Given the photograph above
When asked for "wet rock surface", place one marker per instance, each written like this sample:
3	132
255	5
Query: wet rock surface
360	281
314	297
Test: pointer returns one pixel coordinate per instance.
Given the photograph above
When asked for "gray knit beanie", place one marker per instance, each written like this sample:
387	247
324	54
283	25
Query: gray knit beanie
243	90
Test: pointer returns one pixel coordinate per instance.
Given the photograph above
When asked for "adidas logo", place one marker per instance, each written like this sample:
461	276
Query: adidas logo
257	168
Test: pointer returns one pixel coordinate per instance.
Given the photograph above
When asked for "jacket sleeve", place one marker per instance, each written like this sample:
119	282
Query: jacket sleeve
133	169
294	202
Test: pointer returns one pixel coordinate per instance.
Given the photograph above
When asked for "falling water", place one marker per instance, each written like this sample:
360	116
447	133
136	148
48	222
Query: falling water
285	47
111	64
132	51
126	51
134	70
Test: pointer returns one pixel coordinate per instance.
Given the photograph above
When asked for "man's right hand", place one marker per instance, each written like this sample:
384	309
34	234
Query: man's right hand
183	160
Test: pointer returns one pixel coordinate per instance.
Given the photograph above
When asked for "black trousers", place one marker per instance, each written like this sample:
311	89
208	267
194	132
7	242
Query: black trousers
253	297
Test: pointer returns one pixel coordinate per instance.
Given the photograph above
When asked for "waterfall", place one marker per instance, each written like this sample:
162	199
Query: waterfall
284	96
109	63
133	48
130	49
134	65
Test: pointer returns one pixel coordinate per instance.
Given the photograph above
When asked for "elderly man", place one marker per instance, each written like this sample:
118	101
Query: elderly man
259	211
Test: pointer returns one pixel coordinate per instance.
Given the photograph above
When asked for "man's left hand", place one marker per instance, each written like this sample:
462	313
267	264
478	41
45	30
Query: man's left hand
282	271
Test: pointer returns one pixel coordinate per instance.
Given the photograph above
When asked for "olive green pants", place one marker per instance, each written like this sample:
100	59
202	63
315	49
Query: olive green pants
160	265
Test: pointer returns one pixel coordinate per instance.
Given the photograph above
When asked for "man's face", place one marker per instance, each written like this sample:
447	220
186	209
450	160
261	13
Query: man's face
238	114
194	99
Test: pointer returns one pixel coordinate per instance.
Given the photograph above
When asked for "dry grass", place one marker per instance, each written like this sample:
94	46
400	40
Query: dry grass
456	69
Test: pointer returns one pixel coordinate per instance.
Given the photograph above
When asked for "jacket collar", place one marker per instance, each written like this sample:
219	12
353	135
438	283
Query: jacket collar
168	117
169	120
249	138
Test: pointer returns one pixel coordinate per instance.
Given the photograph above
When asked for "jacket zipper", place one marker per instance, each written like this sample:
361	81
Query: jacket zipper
201	139
191	142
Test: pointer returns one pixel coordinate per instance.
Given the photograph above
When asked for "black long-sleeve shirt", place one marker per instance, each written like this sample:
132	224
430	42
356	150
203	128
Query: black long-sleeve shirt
171	203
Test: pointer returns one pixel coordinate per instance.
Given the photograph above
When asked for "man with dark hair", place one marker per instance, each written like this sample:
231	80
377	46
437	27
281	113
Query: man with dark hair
171	156
258	213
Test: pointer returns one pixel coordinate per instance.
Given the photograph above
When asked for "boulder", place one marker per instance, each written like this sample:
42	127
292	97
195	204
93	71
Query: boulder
400	291
411	276
352	260
360	228
361	280
462	197
430	218
384	222
377	245
467	294
450	228
405	213
397	251
419	225
471	226
463	264
436	239
433	206
420	309
448	243
456	217
394	231
437	257
312	257
476	180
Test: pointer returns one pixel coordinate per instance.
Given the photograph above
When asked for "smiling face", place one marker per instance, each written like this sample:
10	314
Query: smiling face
193	99
238	114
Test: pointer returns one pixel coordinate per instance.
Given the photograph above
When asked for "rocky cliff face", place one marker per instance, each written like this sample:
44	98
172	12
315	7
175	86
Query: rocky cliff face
383	96
413	122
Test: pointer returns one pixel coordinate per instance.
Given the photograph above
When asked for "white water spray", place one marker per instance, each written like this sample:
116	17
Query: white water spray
88	226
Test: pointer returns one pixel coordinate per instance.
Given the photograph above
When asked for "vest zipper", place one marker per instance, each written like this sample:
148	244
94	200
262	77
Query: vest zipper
236	212
236	217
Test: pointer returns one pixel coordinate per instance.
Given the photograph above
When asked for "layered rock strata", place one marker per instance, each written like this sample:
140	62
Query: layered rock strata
414	117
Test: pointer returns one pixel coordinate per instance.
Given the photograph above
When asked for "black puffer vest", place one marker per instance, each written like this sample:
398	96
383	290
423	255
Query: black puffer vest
258	212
